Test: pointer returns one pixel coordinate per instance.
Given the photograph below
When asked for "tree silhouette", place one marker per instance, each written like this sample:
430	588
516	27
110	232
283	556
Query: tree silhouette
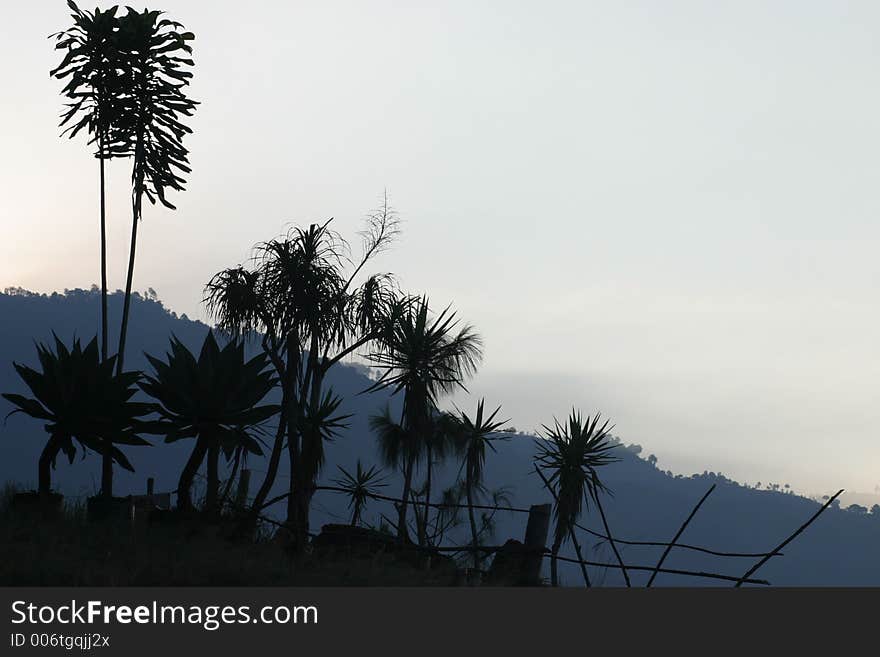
81	398
213	398
154	53
423	357
571	455
359	486
95	88
475	437
303	298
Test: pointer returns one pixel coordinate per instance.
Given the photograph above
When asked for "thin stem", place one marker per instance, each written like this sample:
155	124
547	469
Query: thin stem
754	568
680	530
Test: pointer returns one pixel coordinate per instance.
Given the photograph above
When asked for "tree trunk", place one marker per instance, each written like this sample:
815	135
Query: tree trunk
47	456
184	486
475	544
126	307
554	552
402	532
104	338
274	459
423	525
213	476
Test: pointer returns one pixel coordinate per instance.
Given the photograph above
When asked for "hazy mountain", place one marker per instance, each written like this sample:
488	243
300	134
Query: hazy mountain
648	504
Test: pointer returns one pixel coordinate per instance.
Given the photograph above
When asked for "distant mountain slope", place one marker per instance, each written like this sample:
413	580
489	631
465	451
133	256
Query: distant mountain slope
648	504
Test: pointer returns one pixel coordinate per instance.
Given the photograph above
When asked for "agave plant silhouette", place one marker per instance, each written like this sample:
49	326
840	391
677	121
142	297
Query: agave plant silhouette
475	438
81	398
360	486
154	53
571	456
213	398
423	357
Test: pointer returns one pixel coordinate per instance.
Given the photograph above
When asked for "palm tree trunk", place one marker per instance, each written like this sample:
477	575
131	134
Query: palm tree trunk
126	308
274	458
474	539
402	532
184	485
577	549
554	552
423	525
211	498
103	253
47	456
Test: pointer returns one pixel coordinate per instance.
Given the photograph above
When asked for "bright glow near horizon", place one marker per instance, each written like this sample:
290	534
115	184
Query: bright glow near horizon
666	212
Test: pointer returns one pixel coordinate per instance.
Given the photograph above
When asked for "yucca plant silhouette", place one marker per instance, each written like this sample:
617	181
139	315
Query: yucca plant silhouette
475	437
359	486
80	398
424	357
155	53
214	399
571	455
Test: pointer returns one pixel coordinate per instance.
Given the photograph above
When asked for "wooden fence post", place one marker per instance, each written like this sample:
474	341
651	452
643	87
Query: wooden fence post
535	542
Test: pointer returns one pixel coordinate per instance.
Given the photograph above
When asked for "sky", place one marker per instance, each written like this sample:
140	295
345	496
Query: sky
663	212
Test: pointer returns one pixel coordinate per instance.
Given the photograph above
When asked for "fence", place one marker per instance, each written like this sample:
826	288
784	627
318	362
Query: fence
535	535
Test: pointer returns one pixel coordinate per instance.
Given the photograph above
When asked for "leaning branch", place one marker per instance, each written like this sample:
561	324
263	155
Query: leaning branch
752	570
679	533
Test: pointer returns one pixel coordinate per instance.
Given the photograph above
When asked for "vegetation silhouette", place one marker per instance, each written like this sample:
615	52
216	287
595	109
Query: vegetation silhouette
303	304
81	398
303	300
214	399
422	357
126	88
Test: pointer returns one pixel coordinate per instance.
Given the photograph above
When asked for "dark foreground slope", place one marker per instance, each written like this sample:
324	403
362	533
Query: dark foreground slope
648	504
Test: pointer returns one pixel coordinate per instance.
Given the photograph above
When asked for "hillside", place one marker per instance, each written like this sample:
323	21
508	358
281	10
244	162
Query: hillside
648	504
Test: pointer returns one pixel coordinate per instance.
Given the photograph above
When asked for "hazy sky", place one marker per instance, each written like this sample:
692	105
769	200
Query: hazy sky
663	211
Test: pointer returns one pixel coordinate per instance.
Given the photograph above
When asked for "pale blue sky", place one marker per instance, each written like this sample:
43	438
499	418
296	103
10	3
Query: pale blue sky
663	211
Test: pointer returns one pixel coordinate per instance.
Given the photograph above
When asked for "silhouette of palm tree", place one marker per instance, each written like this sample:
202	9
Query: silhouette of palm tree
571	455
422	357
475	436
212	398
95	88
359	486
154	52
302	298
80	398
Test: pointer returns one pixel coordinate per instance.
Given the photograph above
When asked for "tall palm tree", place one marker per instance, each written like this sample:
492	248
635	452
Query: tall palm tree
475	437
302	300
80	398
96	89
571	456
423	357
213	398
155	52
